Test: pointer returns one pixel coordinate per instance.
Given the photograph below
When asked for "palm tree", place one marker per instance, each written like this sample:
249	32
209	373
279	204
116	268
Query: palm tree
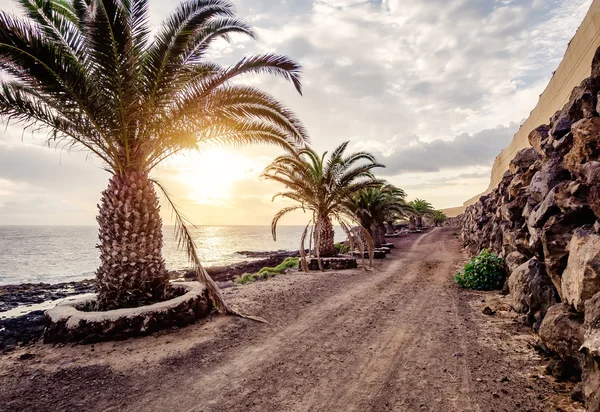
321	186
422	209
438	217
374	206
90	74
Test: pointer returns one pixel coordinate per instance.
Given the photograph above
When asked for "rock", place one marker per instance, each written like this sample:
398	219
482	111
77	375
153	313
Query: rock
563	332
22	330
577	393
592	313
532	291
562	370
590	174
523	159
513	260
571	197
552	173
590	377
538	139
573	111
488	311
522	181
542	212
586	144
581	278
556	235
536	189
591	351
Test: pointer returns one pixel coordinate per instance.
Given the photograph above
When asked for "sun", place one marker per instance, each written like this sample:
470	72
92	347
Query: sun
210	175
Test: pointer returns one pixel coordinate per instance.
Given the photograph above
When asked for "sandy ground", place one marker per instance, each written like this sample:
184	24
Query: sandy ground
402	337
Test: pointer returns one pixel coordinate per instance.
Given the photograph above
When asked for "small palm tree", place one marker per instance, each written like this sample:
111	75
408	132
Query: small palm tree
422	209
321	185
374	206
90	74
438	217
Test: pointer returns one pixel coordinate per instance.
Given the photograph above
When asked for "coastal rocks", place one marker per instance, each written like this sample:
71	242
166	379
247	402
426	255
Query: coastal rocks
562	331
12	296
22	330
68	322
532	291
581	279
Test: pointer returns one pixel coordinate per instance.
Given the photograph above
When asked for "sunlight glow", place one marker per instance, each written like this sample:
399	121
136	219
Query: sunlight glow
211	175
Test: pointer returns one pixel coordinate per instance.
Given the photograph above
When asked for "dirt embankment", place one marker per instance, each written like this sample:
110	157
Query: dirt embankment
400	338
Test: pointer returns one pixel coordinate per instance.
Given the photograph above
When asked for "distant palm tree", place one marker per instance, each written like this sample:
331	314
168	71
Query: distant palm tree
422	209
438	217
374	206
321	186
90	74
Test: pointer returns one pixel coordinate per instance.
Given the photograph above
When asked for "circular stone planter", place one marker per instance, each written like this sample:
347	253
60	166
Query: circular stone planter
66	323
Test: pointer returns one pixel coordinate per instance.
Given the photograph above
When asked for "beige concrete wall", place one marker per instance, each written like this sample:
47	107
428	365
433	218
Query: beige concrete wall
575	66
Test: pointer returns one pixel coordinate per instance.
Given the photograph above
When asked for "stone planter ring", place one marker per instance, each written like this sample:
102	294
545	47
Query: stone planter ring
67	323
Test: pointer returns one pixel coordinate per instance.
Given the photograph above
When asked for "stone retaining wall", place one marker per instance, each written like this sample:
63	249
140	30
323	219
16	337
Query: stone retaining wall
347	262
543	219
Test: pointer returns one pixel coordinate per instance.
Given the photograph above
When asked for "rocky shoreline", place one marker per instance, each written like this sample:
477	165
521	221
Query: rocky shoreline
28	328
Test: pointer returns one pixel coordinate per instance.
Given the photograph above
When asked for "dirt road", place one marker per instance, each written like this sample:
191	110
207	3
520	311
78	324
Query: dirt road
400	338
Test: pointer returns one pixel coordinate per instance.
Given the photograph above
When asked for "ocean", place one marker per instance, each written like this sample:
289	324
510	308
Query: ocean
55	254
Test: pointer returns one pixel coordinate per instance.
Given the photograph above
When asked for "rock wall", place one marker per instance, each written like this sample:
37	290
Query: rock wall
543	219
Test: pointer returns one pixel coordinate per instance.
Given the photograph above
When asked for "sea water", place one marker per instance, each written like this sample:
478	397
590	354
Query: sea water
54	254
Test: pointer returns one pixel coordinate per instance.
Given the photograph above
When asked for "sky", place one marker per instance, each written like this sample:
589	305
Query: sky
434	88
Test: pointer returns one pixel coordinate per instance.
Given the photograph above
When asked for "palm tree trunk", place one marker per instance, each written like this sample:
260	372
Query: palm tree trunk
326	247
389	228
412	224
381	234
132	270
376	231
419	221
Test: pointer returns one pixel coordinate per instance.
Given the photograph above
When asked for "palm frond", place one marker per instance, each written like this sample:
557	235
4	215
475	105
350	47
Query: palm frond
186	242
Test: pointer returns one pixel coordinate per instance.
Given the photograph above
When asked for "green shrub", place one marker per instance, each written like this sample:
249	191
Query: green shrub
342	248
268	272
288	263
483	272
245	278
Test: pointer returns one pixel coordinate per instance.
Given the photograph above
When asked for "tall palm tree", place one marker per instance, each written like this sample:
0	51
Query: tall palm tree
438	217
90	74
321	185
374	206
422	209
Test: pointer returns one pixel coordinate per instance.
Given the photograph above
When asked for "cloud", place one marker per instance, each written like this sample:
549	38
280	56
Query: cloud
465	150
424	84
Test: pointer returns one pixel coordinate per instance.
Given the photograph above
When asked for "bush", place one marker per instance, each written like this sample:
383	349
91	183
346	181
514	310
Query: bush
342	248
245	278
288	263
268	272
483	272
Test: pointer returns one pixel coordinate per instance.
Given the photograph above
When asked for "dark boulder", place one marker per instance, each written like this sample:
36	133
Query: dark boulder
532	291
562	331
